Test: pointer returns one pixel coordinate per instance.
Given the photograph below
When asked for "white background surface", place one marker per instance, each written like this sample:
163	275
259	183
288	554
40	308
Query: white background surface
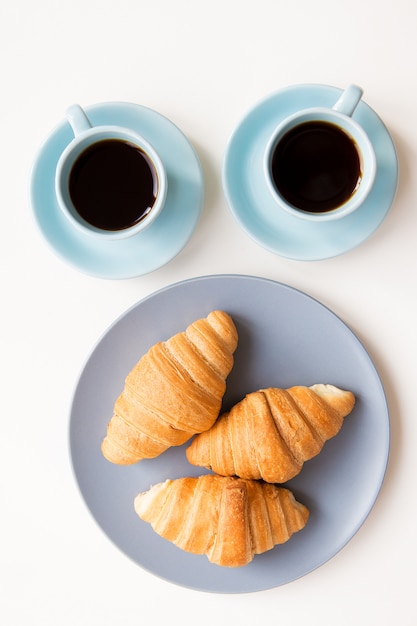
203	65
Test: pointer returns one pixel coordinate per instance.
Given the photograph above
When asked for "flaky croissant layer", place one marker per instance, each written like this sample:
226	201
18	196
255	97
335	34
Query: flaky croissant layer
226	518
271	433
173	392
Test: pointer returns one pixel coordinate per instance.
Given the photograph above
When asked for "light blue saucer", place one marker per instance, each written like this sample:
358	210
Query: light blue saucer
253	206
148	250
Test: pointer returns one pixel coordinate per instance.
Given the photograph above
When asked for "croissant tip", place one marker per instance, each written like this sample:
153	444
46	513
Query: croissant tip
341	399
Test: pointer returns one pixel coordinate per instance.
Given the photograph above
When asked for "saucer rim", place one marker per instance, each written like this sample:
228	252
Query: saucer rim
285	245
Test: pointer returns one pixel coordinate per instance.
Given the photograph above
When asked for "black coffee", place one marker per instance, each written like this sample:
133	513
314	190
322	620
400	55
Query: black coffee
113	184
316	167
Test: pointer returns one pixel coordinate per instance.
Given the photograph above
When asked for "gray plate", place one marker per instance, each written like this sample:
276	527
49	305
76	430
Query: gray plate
285	338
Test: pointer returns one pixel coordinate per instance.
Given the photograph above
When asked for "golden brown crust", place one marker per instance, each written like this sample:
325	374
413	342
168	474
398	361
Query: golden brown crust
228	519
232	545
272	432
174	391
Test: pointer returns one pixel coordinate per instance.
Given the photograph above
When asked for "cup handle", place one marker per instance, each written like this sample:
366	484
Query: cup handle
349	100
78	119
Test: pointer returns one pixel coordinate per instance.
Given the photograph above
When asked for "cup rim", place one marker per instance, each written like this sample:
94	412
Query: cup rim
72	151
360	138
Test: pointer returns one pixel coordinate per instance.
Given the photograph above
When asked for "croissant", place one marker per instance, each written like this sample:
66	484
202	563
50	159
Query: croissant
173	392
270	433
226	518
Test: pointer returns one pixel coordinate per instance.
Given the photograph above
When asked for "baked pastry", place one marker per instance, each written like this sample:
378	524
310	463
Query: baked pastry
226	518
272	432
174	391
